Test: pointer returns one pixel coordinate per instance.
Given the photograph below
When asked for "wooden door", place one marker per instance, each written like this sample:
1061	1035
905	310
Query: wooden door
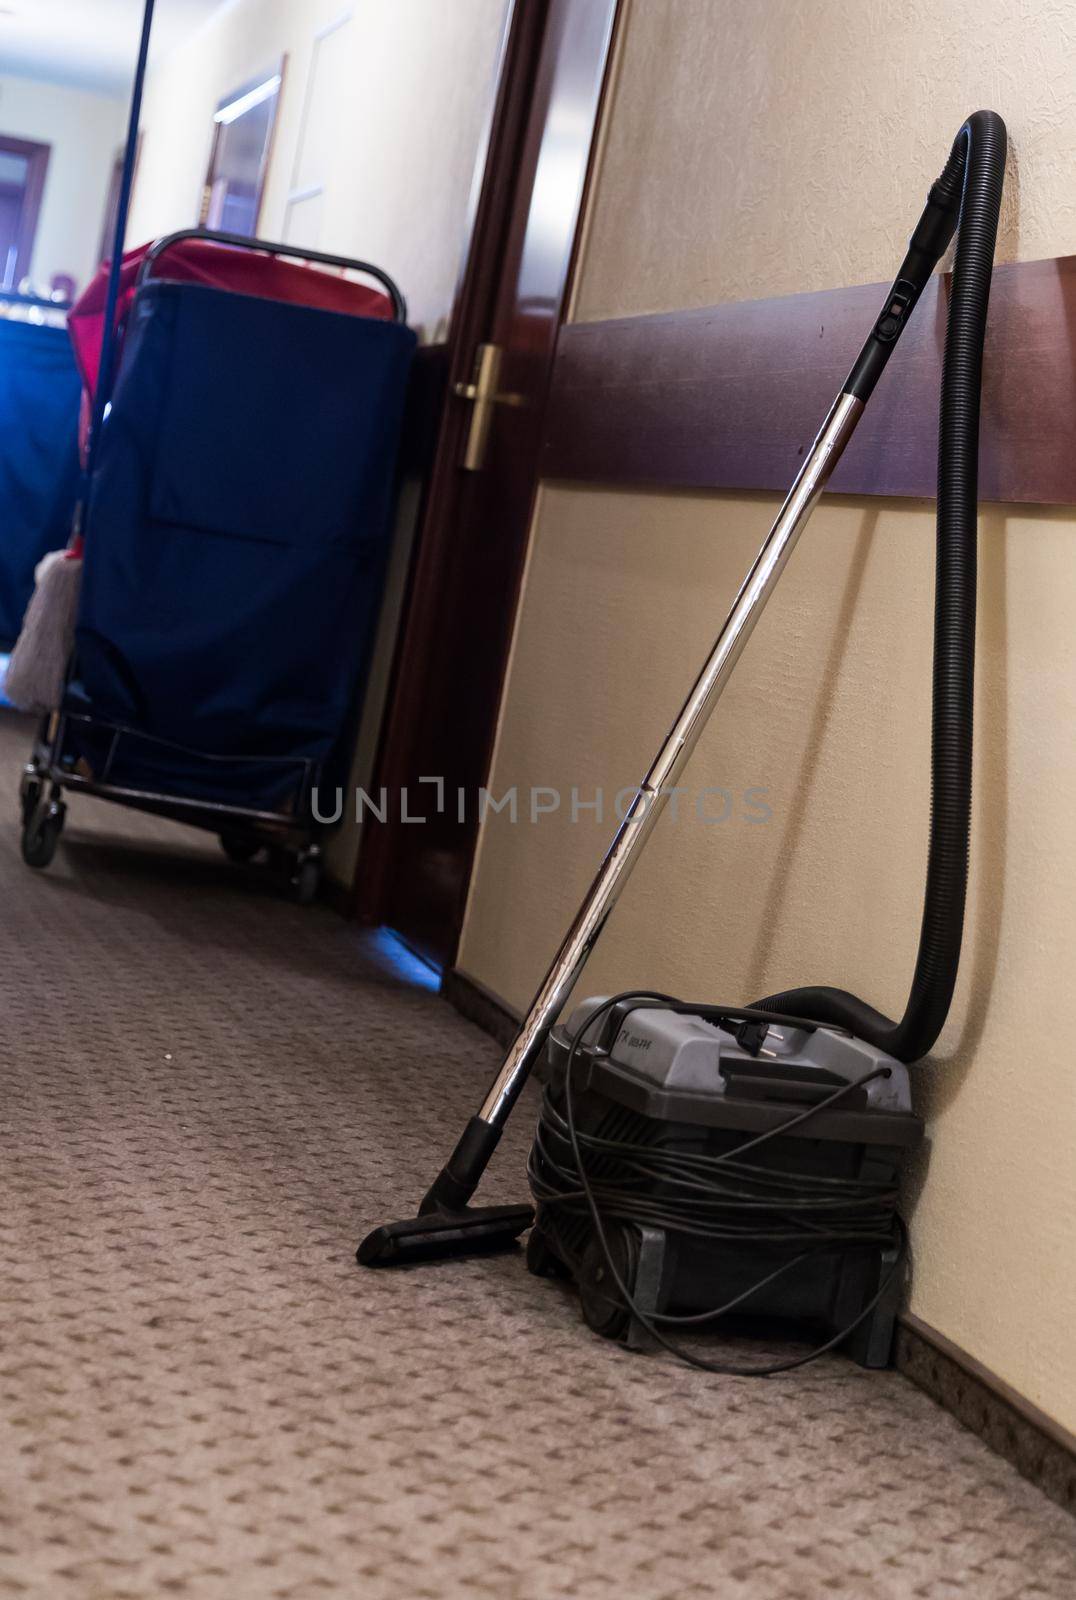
24	164
454	641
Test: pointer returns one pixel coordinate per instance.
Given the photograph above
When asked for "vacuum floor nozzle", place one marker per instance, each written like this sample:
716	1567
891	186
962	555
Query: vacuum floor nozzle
444	1235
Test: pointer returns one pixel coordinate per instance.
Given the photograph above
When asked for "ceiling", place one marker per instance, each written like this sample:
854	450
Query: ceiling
89	44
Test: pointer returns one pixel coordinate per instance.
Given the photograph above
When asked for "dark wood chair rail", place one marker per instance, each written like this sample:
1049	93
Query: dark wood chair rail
730	396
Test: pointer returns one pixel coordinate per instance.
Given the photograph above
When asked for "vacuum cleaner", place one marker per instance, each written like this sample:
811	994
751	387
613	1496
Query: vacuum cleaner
694	1161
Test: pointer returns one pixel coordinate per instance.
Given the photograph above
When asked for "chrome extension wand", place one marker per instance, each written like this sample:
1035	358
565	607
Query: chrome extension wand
446	1224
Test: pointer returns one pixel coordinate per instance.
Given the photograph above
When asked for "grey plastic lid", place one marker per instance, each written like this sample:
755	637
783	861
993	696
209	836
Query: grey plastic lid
683	1068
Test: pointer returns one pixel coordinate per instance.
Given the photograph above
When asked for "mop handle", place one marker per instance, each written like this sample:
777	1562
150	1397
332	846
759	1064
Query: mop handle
106	370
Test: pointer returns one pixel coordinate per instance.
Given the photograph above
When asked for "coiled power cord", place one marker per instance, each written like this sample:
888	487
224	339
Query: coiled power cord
723	1198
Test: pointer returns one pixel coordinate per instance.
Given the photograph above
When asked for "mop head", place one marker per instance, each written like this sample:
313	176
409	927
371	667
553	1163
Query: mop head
37	670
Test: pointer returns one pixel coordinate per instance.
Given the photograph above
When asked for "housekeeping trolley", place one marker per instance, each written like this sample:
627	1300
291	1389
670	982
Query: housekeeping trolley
235	540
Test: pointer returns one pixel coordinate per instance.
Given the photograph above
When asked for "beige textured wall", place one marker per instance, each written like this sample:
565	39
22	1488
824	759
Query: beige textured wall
414	88
770	147
829	708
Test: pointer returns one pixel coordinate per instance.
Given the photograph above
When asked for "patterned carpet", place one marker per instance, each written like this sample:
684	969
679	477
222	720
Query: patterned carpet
209	1096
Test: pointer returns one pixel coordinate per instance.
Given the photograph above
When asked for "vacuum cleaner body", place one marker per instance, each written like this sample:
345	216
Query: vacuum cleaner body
684	1086
654	1189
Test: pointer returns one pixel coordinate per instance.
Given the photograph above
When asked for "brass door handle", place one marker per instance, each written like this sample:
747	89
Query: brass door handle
471	391
482	391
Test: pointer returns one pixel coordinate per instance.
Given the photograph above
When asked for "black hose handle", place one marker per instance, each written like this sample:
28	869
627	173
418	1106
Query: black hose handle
928	243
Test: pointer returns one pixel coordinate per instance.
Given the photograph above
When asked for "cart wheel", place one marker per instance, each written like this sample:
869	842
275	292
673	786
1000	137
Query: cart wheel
240	847
30	790
41	833
541	1260
305	880
599	1298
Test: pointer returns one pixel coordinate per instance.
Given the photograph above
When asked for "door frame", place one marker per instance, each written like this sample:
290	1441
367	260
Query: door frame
528	73
37	157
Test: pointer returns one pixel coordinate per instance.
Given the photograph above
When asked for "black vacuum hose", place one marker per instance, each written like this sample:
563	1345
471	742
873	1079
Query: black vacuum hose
975	171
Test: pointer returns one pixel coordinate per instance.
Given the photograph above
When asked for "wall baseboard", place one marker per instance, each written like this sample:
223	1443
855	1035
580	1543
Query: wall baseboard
480	1006
337	895
1039	1448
